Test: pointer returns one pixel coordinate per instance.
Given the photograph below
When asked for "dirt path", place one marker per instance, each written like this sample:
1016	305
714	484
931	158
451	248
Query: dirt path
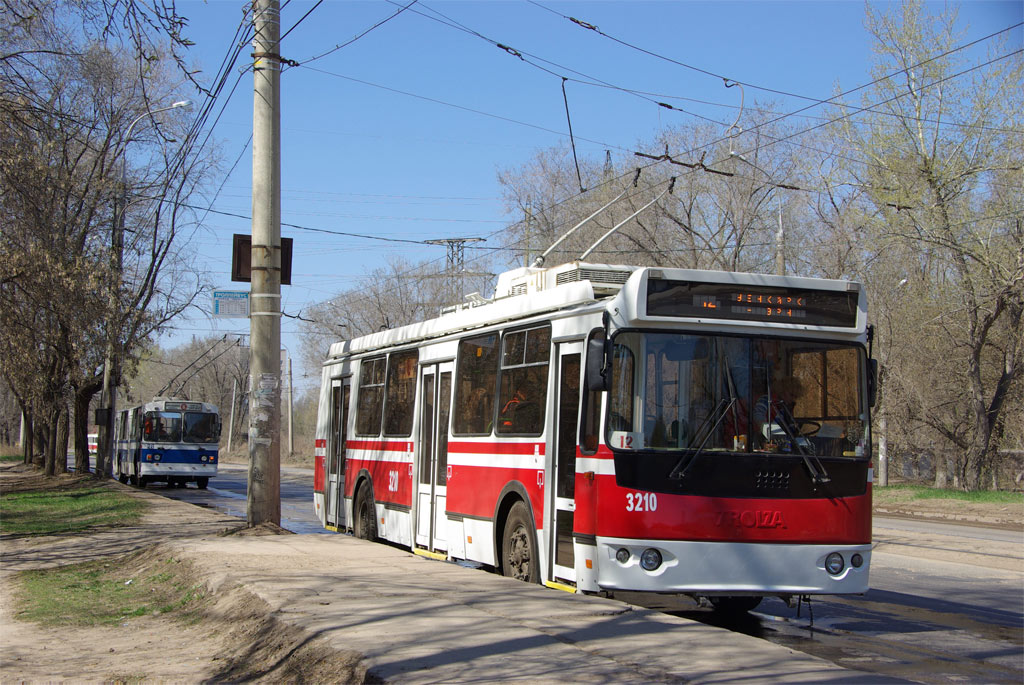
235	639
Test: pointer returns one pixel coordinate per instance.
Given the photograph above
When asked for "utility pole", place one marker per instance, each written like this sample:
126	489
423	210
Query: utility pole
264	492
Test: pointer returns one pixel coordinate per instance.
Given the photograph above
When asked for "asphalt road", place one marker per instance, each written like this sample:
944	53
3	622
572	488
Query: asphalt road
928	620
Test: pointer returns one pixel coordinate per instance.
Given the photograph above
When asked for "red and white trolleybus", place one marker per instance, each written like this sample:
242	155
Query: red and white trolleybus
606	428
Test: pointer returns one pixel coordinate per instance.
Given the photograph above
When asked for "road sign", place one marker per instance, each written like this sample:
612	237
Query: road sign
231	304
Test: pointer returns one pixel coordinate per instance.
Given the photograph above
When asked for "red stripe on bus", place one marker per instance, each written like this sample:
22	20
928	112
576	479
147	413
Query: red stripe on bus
474	490
626	513
379	445
318	474
493	447
392	480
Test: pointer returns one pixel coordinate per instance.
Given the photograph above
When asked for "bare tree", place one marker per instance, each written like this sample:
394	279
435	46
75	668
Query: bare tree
73	84
943	167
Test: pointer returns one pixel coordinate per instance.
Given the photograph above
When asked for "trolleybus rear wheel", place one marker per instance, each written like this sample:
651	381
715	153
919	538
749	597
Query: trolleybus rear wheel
518	547
365	524
202	482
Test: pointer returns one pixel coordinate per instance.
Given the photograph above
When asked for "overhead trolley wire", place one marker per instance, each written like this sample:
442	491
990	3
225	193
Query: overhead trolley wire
357	37
460	107
815	101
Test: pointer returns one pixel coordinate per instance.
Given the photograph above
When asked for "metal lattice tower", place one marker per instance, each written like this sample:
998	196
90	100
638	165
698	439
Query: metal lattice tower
455	270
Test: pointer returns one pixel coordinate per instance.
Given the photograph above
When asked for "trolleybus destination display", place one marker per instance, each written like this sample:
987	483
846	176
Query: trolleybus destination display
751	303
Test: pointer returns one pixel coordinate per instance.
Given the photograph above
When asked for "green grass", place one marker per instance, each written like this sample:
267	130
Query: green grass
10	458
105	592
915	492
49	512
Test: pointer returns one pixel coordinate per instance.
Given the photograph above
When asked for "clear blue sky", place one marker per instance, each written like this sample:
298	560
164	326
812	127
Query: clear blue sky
364	159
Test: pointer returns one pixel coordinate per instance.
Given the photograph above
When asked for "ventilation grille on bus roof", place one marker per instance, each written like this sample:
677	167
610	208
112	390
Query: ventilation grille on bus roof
616	277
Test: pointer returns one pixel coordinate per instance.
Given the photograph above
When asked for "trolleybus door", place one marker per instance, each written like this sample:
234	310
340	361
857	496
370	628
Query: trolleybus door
564	449
432	457
340	393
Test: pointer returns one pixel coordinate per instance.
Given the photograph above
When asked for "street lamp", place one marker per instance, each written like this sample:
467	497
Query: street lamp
104	456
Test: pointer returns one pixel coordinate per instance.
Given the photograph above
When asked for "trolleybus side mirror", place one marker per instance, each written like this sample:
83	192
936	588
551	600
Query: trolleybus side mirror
596	376
872	381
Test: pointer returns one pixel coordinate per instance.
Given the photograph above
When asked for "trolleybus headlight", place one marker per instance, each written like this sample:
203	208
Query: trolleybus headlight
857	560
650	559
622	556
156	457
834	563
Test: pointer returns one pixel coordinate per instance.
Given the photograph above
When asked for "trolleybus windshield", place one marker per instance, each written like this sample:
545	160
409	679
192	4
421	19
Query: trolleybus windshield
201	427
708	393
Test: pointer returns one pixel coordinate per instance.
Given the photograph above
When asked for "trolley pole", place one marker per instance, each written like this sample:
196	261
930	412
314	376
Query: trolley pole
264	491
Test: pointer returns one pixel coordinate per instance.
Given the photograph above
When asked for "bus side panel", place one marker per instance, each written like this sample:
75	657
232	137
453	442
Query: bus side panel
389	464
479	471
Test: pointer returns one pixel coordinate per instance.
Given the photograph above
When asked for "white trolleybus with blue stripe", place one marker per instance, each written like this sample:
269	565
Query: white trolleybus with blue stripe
167	440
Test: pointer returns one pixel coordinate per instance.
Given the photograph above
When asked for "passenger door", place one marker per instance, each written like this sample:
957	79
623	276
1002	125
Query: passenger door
432	456
564	449
341	390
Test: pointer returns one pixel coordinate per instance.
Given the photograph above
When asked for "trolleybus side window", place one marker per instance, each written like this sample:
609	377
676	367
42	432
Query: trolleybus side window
371	396
339	415
445	394
524	380
476	379
400	392
620	399
590	426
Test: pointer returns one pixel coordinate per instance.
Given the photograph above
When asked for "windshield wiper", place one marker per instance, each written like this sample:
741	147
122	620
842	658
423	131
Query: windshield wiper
719	413
802	445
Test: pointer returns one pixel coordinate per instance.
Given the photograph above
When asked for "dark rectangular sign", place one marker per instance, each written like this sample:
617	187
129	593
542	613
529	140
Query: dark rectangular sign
752	303
241	259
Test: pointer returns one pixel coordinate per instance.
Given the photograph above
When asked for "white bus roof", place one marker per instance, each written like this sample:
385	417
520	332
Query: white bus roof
529	291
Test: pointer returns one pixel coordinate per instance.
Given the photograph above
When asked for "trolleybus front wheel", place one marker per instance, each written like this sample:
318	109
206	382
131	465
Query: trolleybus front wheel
518	547
365	524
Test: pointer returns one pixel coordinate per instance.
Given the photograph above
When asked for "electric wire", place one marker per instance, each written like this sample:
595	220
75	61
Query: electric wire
301	19
815	101
358	36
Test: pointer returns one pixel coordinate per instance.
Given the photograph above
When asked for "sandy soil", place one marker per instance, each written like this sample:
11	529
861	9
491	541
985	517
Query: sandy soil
232	635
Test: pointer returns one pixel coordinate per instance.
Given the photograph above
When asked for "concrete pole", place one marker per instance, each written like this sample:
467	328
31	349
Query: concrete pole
291	441
231	421
264	492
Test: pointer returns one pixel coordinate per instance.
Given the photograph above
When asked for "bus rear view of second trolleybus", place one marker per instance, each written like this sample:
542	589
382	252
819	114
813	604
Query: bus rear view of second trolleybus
167	440
609	428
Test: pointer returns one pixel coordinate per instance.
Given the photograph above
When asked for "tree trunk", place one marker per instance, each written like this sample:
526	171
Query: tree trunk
51	442
941	474
83	398
27	439
883	452
61	455
39	448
